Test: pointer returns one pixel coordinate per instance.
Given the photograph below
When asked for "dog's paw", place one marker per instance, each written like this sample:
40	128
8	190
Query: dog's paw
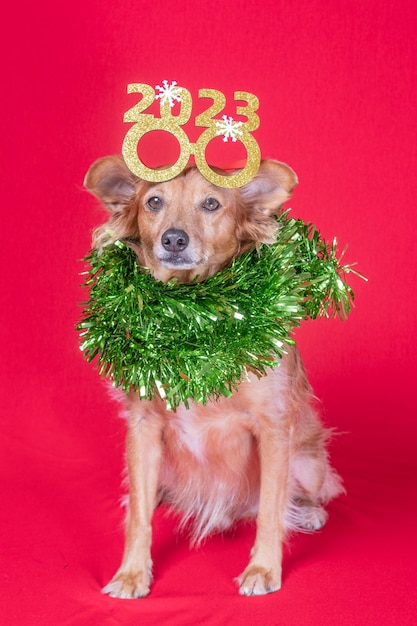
128	585
305	516
258	581
312	517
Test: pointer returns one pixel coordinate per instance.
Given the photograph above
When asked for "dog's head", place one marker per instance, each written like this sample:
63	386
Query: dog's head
187	227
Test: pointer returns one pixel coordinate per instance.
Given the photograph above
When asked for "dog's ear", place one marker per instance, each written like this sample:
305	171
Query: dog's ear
111	181
271	187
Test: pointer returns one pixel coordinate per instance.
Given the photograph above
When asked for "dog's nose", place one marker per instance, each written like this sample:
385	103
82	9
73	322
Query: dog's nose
175	240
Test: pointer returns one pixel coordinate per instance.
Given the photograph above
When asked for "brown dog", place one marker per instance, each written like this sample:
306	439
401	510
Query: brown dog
259	453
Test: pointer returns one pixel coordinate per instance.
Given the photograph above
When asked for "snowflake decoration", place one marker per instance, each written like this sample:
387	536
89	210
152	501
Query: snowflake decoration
228	128
169	92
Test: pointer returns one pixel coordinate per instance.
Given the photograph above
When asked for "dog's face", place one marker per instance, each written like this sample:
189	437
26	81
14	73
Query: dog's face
187	227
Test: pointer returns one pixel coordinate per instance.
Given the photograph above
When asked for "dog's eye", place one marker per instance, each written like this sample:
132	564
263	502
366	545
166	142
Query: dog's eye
154	203
211	204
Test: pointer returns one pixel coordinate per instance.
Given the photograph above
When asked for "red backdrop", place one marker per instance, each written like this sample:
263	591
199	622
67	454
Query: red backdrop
337	85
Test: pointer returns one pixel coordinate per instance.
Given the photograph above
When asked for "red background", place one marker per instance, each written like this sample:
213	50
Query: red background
337	85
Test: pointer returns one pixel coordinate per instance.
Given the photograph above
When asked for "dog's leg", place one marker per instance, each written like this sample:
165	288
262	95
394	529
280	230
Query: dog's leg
263	574
144	454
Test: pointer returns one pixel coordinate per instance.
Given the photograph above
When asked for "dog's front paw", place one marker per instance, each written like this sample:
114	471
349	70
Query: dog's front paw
129	585
257	581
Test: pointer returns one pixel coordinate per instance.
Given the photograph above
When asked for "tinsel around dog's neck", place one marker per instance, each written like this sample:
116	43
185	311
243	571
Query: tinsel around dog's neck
197	341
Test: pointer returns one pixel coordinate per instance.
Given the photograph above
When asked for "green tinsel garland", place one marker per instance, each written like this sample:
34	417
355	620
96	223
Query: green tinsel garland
195	341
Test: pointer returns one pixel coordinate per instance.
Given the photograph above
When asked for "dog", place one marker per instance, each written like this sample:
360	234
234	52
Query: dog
259	453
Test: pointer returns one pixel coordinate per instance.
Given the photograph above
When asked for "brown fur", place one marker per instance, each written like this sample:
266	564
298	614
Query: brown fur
259	453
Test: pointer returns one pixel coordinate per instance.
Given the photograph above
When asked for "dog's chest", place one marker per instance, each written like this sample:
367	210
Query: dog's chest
225	430
205	432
